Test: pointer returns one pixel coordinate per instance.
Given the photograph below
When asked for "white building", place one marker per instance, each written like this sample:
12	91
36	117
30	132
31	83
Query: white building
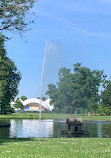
34	104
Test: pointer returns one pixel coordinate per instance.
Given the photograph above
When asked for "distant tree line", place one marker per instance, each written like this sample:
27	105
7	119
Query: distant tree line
80	91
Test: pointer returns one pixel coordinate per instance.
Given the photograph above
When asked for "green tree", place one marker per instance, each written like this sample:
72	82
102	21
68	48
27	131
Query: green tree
18	104
60	94
12	14
65	97
86	87
53	93
106	99
23	98
76	90
42	98
9	79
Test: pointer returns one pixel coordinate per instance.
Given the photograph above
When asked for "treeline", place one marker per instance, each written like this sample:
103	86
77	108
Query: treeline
80	91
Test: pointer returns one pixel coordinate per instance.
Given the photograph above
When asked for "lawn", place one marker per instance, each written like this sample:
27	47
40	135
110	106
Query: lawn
55	148
54	116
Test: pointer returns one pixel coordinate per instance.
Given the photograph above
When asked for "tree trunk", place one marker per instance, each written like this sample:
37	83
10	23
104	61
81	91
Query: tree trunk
89	113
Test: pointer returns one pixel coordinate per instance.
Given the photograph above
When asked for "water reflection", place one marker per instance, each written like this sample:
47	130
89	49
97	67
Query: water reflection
98	129
22	128
31	128
4	131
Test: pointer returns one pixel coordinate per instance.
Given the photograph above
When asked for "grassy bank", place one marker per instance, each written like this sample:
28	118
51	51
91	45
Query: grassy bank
54	116
55	148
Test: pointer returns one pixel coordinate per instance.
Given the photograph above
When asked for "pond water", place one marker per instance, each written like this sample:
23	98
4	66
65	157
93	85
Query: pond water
22	128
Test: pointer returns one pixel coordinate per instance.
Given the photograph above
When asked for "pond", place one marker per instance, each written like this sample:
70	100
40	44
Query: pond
23	128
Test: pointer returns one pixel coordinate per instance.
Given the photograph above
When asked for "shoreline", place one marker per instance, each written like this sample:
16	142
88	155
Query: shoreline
54	116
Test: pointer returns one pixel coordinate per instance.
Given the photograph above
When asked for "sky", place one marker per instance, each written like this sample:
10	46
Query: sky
63	33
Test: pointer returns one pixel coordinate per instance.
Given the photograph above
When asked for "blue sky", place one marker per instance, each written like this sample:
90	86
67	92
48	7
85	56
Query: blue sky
68	32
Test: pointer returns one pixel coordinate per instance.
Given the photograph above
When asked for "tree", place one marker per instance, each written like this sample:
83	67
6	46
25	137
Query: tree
53	93
12	14
106	99
42	98
86	86
65	97
76	90
60	94
9	79
18	104
23	98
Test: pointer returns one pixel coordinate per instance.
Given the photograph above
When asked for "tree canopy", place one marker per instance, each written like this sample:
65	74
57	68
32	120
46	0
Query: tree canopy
106	99
23	97
12	14
76	90
18	104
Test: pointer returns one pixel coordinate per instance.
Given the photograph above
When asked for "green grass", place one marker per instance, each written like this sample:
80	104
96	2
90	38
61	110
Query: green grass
56	148
20	116
54	116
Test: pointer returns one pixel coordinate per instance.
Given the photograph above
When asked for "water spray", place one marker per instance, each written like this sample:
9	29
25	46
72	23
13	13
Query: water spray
41	81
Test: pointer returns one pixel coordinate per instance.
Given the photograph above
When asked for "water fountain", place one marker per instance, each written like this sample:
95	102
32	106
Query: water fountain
50	67
41	81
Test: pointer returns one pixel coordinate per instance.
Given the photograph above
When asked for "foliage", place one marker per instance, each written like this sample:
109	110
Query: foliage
42	98
9	78
87	84
76	90
106	99
8	110
18	104
12	14
23	98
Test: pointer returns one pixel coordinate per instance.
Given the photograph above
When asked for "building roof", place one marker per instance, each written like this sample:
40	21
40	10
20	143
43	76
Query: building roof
45	104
